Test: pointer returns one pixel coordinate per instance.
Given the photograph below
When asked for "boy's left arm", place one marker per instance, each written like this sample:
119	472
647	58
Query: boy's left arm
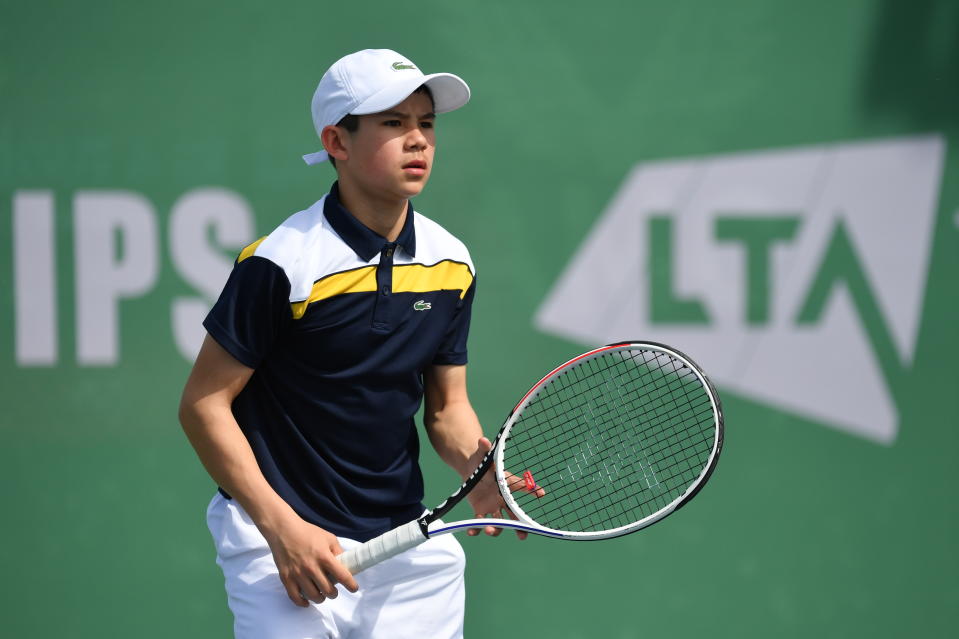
456	434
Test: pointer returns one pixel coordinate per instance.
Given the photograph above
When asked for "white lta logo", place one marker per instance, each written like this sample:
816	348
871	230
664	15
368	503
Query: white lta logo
795	277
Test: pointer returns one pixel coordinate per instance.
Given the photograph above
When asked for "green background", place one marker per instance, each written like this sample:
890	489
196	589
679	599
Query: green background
803	531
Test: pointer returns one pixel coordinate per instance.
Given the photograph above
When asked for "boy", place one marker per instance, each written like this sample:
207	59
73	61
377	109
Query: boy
327	336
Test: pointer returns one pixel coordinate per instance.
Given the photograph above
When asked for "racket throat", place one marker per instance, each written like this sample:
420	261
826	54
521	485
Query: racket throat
424	523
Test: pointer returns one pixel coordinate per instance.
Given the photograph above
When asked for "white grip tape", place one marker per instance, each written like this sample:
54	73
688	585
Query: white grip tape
381	548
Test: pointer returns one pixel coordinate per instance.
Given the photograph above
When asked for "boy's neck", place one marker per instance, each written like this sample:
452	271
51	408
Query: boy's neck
384	216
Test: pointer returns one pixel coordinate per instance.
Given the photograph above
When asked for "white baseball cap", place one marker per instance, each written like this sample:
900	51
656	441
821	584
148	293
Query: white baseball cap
374	80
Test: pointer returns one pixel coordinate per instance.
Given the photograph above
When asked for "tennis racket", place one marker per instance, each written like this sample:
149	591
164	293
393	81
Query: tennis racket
606	444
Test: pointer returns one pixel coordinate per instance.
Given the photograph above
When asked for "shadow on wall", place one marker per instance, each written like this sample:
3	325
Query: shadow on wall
914	66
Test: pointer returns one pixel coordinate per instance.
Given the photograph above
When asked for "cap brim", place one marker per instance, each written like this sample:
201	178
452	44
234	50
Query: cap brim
449	93
316	158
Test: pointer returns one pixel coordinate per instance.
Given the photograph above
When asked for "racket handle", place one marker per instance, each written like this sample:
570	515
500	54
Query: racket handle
381	548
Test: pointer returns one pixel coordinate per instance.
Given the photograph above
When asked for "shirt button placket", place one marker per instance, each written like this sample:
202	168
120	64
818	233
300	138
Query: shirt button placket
382	317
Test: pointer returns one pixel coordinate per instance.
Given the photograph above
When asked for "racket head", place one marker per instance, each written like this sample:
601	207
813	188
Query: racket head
610	442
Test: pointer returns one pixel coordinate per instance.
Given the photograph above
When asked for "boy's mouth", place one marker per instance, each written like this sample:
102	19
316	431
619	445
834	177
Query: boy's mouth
415	167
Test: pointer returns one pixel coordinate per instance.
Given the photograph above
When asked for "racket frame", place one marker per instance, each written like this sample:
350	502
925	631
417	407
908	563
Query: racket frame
430	526
688	494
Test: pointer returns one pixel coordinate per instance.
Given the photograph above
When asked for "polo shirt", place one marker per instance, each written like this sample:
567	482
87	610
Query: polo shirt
339	325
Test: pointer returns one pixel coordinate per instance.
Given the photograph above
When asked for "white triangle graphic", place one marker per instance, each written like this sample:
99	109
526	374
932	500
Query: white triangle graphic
883	195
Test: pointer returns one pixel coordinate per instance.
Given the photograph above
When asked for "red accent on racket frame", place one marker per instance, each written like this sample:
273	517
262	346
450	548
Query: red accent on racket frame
562	366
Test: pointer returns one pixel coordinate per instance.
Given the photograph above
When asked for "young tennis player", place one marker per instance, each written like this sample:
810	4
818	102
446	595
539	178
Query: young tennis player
328	335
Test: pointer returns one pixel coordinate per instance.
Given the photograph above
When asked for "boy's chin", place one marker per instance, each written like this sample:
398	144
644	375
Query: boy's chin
414	188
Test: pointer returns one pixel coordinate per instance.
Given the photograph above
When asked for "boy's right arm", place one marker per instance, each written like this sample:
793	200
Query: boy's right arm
305	554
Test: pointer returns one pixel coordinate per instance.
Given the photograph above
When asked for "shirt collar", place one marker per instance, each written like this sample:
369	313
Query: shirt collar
365	242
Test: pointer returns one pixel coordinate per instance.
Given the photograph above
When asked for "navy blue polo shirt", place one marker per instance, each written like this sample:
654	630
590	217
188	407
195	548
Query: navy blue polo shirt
339	325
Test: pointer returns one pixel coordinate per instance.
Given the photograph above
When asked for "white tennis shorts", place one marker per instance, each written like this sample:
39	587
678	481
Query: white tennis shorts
418	593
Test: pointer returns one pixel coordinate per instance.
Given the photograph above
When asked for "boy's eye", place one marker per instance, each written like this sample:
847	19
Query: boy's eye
427	124
393	123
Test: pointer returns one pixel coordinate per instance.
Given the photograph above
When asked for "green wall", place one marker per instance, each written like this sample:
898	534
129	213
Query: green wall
803	531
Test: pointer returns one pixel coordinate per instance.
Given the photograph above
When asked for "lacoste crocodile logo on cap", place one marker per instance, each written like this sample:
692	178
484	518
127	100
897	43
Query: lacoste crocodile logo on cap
399	66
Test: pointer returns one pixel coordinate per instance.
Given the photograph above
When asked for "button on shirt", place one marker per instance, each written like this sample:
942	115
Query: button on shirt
339	325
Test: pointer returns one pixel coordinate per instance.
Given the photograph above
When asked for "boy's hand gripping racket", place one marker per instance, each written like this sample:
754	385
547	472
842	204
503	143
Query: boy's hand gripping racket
604	445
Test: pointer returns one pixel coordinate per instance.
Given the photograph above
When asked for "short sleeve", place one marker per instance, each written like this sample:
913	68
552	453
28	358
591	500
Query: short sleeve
452	350
252	311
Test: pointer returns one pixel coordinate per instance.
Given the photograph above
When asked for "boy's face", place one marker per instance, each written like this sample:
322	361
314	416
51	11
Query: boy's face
390	155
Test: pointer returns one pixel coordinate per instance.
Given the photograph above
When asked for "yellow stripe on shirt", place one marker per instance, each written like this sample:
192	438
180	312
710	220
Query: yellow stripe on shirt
407	278
250	250
360	280
442	276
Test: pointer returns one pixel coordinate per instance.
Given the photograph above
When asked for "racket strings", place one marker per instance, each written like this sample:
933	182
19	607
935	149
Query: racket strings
528	436
566	402
559	408
604	500
560	500
565	438
659	477
583	511
559	460
586	420
542	398
525	436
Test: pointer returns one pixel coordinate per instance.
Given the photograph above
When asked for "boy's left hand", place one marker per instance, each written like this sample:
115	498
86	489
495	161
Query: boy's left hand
485	497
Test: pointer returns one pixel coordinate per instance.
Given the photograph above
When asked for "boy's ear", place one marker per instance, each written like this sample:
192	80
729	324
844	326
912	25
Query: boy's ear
335	141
